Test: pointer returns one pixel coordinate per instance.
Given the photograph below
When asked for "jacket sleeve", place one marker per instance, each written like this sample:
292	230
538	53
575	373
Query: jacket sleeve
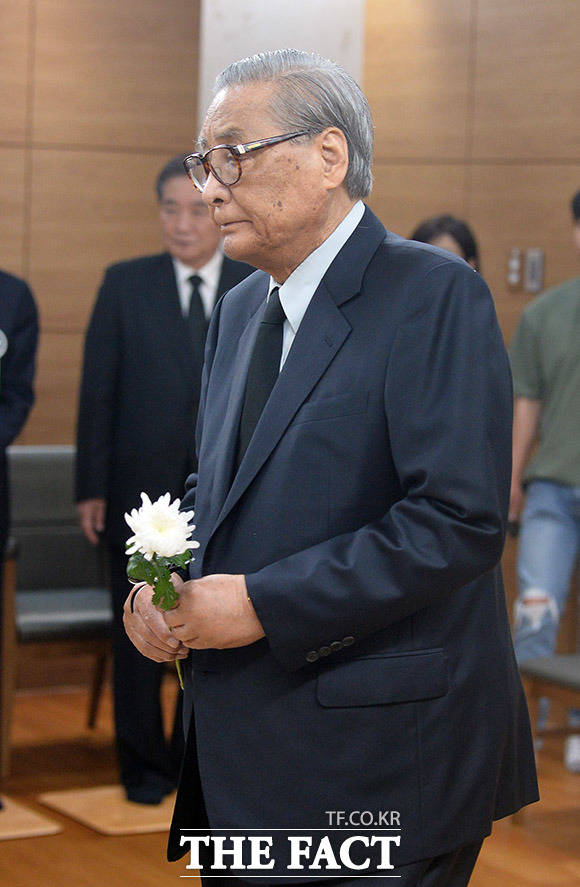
17	368
526	361
98	395
447	398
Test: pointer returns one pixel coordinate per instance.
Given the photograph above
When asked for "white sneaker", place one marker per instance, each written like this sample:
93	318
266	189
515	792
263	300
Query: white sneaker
572	753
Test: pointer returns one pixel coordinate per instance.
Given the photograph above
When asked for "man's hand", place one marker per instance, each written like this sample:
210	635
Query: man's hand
214	613
517	495
91	514
527	414
147	630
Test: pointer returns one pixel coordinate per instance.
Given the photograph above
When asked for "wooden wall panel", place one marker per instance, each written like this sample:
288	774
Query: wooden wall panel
416	76
405	194
12	162
14	55
116	73
96	95
526	205
53	417
527	88
514	90
89	209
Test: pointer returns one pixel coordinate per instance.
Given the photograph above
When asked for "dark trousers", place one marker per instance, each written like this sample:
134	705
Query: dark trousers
450	870
145	757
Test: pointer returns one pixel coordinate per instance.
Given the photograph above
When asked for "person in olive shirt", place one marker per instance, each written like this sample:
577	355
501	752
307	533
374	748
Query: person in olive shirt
545	359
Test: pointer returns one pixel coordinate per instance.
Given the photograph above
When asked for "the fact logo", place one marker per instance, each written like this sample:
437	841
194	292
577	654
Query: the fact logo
311	852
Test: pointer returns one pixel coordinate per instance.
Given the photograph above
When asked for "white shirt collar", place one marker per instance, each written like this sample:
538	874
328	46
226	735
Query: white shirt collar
297	291
209	273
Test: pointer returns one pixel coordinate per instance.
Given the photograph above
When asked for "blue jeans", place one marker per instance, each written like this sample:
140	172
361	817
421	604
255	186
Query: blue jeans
548	549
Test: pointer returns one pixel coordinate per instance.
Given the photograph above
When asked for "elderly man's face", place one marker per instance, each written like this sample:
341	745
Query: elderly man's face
187	229
275	215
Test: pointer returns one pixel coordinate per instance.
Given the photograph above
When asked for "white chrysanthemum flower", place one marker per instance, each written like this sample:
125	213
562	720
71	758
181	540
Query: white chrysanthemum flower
160	528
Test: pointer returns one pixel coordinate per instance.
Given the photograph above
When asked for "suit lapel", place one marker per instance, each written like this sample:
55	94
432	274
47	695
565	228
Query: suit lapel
322	333
320	336
228	435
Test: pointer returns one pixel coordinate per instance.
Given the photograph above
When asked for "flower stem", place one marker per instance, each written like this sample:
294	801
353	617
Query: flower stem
179	672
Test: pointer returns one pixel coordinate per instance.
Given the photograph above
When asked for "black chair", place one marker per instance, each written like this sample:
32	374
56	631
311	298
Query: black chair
55	589
558	678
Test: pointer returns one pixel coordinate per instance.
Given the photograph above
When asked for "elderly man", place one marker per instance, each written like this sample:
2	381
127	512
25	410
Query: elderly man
137	413
345	619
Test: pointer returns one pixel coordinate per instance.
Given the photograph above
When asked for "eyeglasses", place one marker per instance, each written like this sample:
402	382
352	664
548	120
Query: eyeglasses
223	161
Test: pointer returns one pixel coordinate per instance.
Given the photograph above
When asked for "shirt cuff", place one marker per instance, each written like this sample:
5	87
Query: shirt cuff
134	593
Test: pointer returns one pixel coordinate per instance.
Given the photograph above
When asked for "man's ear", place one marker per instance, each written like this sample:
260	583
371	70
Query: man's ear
334	156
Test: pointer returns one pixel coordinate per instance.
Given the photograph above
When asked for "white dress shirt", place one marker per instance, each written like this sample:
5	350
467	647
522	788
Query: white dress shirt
297	291
210	276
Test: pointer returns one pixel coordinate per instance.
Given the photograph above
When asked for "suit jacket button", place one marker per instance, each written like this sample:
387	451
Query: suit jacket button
312	656
325	651
347	641
336	646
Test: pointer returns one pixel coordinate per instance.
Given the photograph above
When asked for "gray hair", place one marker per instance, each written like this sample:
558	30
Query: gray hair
313	93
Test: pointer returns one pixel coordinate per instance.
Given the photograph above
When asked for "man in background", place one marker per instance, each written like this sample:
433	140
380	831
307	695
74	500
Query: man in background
545	358
138	408
18	344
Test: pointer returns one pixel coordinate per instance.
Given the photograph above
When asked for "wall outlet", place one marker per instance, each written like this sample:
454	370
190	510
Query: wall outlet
514	275
534	270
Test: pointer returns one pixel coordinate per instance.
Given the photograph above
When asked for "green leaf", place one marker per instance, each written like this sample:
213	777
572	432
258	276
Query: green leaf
165	595
182	560
139	569
177	560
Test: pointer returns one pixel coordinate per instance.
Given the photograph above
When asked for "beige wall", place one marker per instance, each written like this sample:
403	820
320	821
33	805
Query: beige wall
96	95
475	105
476	113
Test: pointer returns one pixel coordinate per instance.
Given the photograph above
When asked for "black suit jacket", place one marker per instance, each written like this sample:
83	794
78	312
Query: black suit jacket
368	515
140	388
19	324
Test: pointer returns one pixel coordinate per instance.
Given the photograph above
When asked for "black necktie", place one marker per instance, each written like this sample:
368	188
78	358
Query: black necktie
196	319
263	370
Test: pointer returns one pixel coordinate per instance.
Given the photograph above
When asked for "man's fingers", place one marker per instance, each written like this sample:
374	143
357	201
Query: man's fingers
157	633
172	618
91	513
147	630
100	520
153	652
181	632
155	629
178	582
148	643
87	528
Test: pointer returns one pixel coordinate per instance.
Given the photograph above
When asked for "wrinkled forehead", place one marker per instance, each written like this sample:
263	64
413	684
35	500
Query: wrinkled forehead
238	114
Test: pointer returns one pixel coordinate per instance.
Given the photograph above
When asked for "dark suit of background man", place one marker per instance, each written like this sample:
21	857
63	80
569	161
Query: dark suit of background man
138	408
350	646
18	343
